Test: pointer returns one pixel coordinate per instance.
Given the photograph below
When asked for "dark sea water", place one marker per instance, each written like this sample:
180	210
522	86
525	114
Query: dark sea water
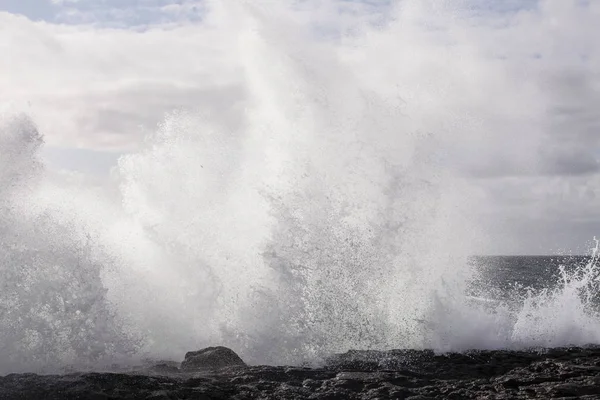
536	272
513	278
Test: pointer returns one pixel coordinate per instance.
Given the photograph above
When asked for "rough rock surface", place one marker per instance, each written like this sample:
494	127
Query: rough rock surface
211	358
399	374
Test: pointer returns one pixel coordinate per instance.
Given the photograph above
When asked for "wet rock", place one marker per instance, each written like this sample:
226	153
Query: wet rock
575	390
165	368
217	373
211	358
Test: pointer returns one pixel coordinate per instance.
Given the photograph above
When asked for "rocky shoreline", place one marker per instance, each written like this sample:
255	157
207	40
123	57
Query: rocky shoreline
218	373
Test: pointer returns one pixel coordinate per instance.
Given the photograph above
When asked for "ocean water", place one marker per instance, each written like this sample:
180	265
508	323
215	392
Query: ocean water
523	273
325	217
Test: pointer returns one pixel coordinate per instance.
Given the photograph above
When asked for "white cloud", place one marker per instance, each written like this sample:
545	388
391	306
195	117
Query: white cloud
97	87
126	13
512	95
63	2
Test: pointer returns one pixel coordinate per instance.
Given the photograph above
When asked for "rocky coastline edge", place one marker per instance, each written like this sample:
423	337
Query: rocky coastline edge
219	373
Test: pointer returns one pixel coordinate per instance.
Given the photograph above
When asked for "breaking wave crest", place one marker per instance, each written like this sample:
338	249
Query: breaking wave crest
323	221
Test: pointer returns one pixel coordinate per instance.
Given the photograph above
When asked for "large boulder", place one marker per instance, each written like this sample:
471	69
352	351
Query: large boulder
211	358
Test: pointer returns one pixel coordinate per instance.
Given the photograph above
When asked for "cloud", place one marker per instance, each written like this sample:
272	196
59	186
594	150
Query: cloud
127	13
510	93
96	87
519	86
514	97
63	2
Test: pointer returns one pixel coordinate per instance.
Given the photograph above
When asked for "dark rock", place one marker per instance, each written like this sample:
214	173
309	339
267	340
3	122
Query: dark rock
164	368
573	390
211	358
218	373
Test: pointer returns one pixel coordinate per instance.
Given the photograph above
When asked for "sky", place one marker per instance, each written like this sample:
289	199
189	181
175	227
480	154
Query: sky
125	13
516	85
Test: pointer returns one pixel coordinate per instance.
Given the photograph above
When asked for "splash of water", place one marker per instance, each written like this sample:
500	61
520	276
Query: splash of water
323	221
565	313
53	308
